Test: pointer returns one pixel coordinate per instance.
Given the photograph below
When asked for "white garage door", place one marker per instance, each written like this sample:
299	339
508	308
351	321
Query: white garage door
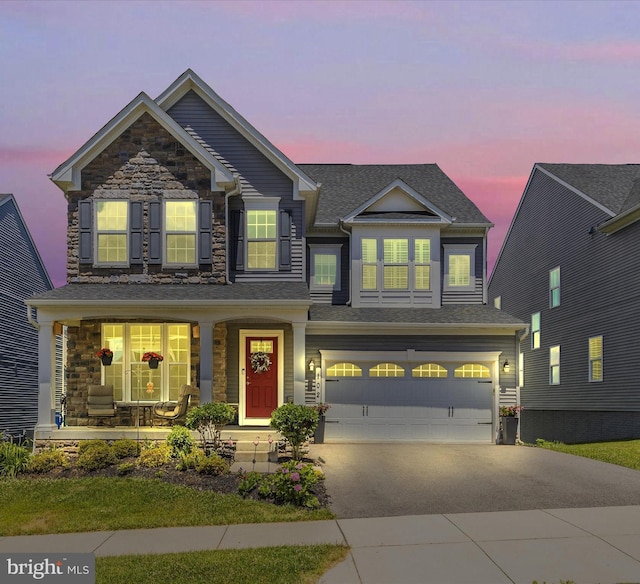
448	409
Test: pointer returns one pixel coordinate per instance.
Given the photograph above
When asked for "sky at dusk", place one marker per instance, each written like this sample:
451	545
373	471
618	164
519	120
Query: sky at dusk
483	89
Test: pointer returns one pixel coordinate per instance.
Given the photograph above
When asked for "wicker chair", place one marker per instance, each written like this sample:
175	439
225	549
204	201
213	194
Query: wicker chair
100	402
173	412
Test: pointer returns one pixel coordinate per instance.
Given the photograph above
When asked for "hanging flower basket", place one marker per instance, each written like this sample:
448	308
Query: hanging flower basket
260	362
153	359
105	355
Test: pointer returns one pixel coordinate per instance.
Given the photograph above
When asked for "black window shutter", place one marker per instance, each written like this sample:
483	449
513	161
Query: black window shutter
285	240
204	232
135	233
85	232
155	232
237	224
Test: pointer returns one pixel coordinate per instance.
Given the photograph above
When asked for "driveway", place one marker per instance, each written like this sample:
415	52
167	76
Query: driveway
385	480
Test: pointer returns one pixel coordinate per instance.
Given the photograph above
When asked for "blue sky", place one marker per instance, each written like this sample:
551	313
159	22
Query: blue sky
484	89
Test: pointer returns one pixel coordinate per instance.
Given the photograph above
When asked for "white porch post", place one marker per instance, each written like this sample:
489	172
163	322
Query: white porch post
299	367
206	361
46	411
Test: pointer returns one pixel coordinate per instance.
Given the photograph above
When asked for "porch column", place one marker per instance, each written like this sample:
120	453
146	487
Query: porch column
206	361
46	412
299	366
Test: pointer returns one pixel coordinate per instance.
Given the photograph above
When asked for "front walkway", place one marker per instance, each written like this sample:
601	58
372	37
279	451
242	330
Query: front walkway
588	545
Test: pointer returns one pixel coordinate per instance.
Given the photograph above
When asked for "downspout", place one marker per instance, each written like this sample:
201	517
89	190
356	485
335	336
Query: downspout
350	259
485	292
236	190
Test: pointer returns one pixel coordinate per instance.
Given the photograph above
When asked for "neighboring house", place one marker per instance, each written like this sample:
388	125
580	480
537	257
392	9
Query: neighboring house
22	274
569	268
190	234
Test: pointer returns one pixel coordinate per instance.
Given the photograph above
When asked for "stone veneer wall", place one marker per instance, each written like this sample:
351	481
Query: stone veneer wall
220	362
84	369
146	163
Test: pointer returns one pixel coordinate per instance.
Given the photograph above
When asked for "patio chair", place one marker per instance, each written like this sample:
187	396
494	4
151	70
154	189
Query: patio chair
173	412
100	402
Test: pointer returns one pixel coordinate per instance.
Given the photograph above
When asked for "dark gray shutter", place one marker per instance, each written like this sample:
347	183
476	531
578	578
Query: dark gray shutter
135	233
155	232
237	222
285	240
85	232
204	232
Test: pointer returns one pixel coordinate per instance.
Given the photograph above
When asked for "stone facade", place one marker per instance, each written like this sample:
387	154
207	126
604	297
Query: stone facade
146	163
84	369
220	362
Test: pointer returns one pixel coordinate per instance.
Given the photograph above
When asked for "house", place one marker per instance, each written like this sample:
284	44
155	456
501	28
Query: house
22	274
263	282
568	267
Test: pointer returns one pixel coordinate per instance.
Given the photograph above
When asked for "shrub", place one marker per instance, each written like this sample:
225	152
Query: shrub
14	459
209	419
125	468
189	460
47	460
291	483
212	465
155	456
94	454
125	448
248	482
180	441
296	423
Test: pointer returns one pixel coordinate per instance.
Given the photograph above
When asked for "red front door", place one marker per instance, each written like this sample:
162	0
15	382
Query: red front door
262	376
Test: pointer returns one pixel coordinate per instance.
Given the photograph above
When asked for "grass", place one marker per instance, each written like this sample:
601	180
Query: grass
39	506
274	565
625	453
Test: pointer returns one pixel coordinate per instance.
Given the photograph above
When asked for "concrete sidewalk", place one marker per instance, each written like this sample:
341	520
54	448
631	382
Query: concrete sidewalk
590	545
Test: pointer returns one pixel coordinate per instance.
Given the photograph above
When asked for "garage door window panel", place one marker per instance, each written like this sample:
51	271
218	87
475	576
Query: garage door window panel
472	371
429	370
386	370
344	370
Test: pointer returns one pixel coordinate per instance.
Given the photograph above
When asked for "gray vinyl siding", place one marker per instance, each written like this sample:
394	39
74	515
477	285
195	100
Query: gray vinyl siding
505	344
336	296
253	166
599	283
466	297
21	276
233	356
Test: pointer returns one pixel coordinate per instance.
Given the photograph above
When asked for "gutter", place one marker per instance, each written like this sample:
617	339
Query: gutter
234	191
340	226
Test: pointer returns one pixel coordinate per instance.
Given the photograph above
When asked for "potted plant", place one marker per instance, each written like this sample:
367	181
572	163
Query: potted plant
105	355
318	433
152	358
509	420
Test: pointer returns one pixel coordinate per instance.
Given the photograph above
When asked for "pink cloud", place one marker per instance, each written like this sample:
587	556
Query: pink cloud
30	155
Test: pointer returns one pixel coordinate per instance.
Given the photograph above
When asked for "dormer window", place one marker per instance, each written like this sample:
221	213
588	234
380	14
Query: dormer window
261	239
112	232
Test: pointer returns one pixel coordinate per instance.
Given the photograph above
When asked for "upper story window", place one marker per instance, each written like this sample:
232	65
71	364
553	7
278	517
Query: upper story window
459	264
112	226
554	365
535	330
595	359
325	267
261	239
554	287
405	263
497	302
180	232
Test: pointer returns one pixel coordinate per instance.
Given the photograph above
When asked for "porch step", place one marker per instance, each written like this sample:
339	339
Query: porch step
246	448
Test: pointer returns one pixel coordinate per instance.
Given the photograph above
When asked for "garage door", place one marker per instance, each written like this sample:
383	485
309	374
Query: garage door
446	409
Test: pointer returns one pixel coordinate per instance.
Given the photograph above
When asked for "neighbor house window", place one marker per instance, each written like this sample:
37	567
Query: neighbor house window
554	288
497	302
554	365
459	267
180	232
261	239
595	359
369	264
535	330
429	370
422	264
521	369
112	226
325	267
386	370
472	370
344	370
132	379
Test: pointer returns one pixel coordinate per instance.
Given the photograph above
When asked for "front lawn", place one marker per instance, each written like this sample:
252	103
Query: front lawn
625	453
42	505
275	565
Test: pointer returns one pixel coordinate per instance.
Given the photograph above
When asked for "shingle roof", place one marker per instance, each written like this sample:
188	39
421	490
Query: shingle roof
477	314
611	185
347	186
275	291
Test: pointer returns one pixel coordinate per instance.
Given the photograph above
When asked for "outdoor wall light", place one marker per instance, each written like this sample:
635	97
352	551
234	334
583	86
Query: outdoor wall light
312	365
506	367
